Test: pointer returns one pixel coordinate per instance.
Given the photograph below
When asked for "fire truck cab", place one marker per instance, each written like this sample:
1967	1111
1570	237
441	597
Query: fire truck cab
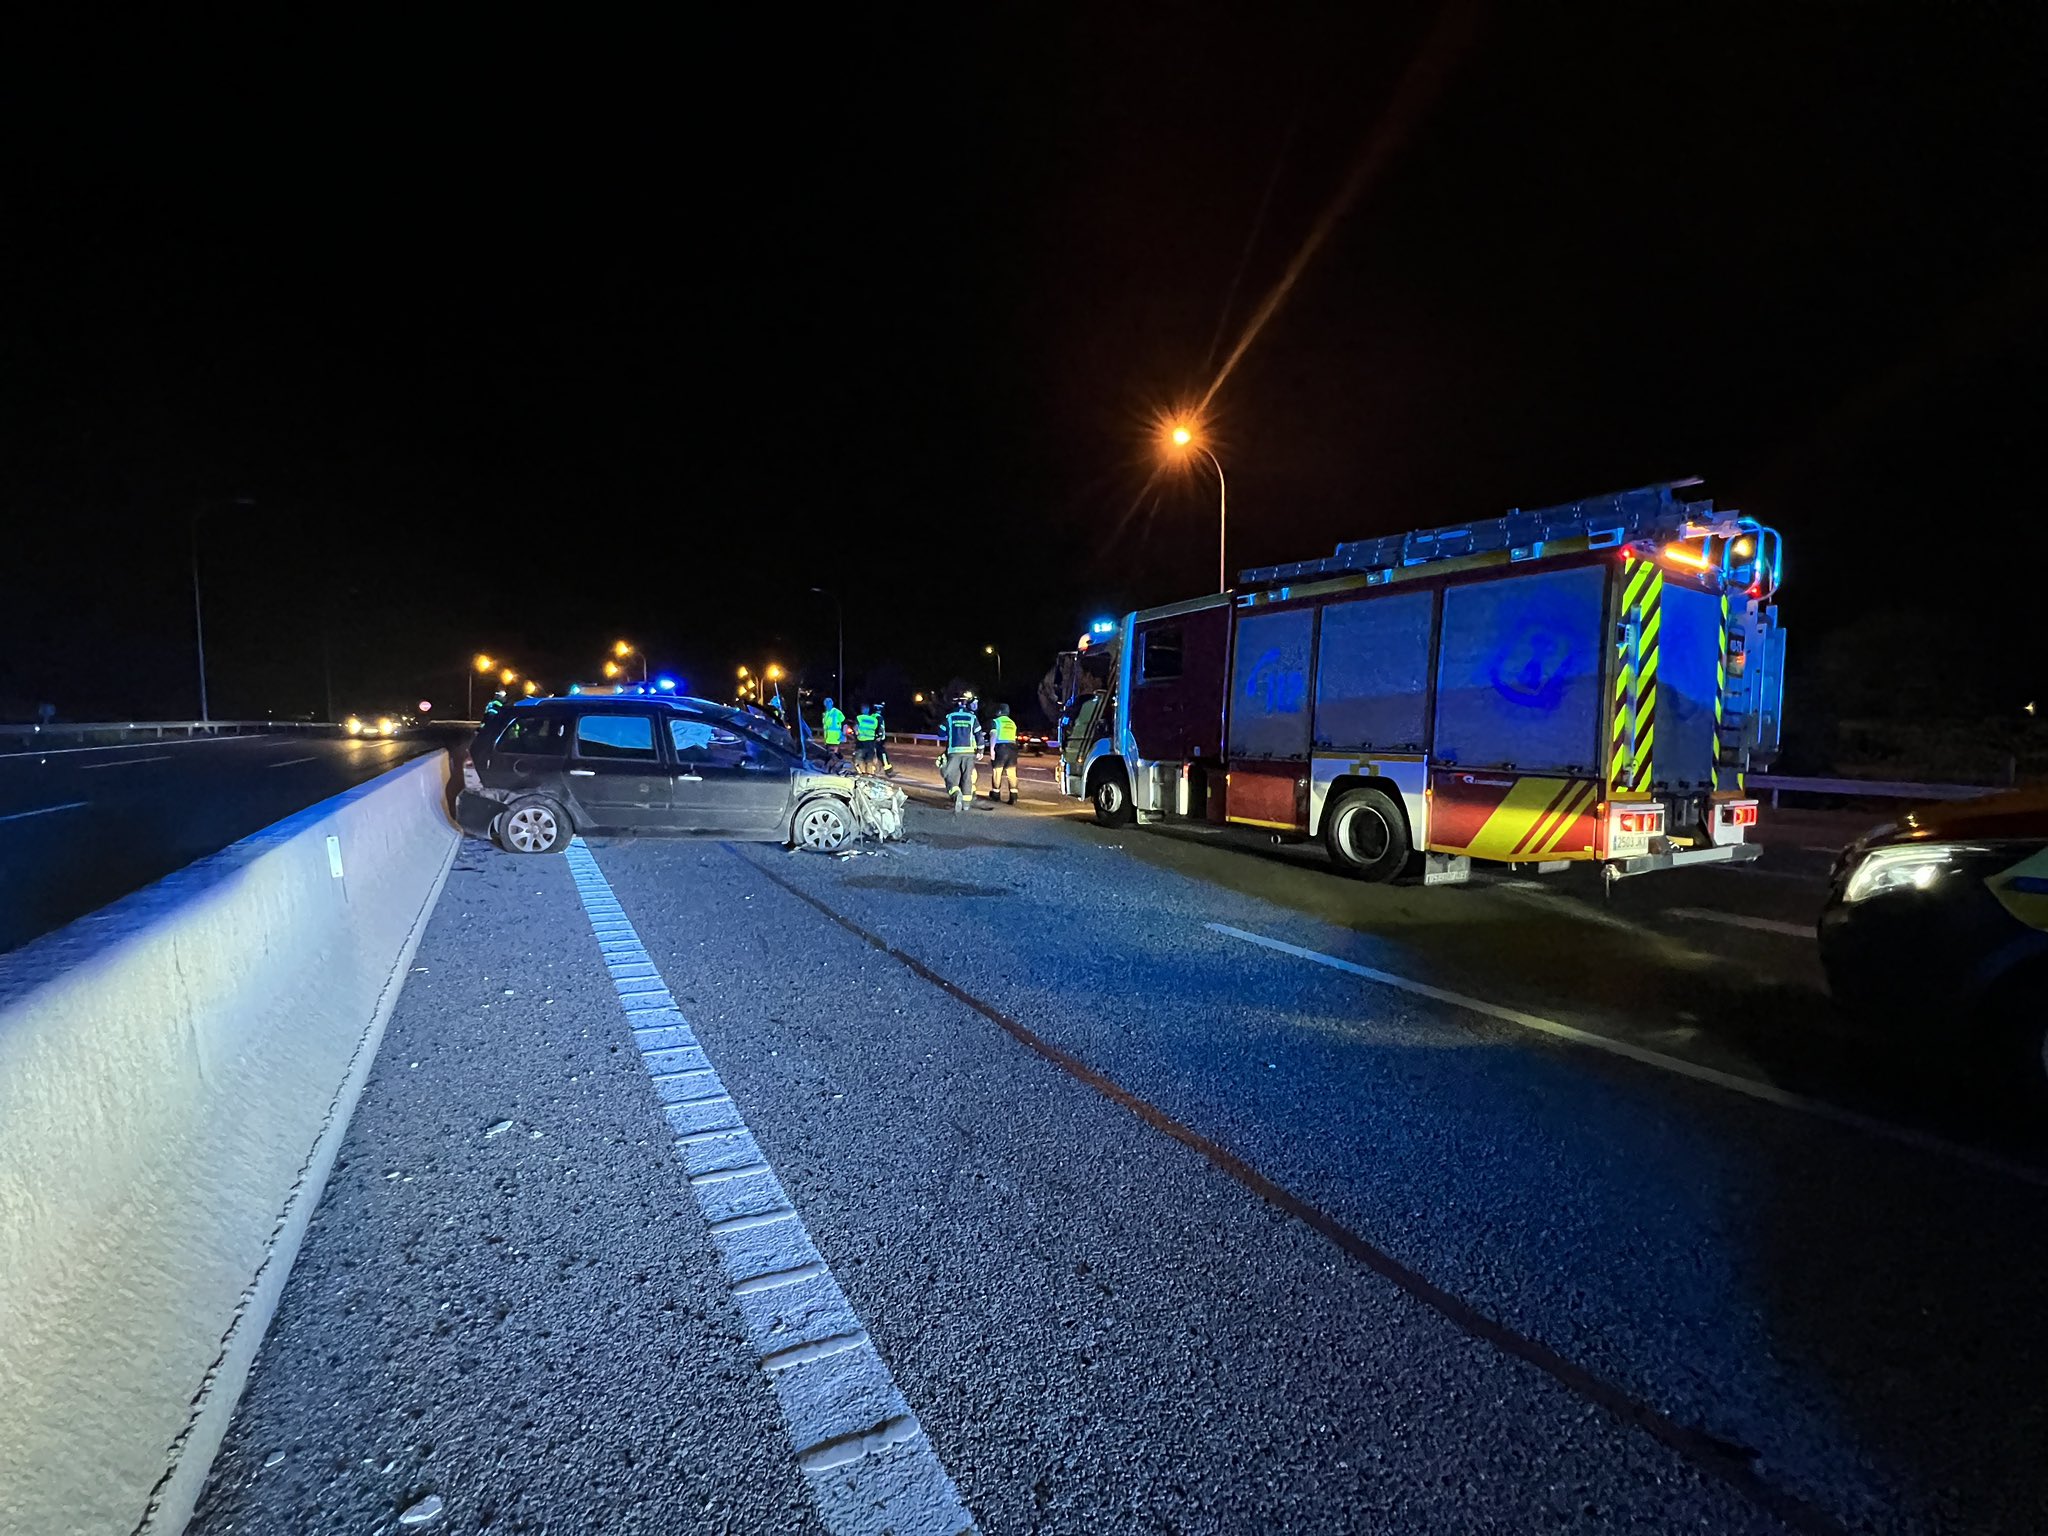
1588	682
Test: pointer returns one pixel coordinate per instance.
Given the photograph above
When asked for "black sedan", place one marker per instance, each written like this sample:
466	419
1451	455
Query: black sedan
547	769
1938	925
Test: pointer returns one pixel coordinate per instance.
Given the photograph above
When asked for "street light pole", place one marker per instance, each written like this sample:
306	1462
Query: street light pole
1222	521
989	650
839	613
198	619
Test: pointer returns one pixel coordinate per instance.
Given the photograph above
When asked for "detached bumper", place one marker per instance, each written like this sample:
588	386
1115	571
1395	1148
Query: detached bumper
475	811
1678	858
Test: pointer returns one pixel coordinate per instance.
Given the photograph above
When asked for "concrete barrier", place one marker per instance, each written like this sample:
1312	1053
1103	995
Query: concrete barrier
176	1074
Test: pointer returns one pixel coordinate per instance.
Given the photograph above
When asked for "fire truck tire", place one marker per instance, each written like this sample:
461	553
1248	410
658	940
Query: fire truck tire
1366	832
1112	797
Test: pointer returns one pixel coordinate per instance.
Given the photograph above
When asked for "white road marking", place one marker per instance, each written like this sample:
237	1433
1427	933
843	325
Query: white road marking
288	762
125	746
1738	920
45	810
124	762
863	1475
1749	1087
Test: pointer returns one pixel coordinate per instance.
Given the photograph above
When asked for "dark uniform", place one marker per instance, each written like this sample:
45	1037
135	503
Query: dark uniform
963	742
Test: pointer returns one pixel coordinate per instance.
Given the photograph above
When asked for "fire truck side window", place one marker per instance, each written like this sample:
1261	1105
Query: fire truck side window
1161	657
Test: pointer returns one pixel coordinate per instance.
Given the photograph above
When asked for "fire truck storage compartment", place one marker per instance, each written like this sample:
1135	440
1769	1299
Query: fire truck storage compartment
1177	685
1269	688
1372	673
1519	671
1267	795
1688	656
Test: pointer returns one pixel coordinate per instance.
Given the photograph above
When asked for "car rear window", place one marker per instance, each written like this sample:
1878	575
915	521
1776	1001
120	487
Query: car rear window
533	734
615	736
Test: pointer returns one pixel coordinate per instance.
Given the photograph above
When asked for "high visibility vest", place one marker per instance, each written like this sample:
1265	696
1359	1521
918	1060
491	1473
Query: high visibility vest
835	726
961	729
865	726
1005	729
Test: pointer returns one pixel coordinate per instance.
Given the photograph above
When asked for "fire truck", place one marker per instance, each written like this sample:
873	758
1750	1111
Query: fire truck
1582	683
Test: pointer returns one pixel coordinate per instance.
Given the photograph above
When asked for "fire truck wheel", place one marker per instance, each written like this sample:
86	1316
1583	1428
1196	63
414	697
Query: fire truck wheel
1112	799
1367	834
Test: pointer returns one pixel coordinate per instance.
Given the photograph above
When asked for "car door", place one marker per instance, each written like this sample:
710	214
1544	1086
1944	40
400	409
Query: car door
618	777
726	779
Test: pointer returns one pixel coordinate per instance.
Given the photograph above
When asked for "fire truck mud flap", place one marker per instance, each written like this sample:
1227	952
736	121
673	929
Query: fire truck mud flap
1679	858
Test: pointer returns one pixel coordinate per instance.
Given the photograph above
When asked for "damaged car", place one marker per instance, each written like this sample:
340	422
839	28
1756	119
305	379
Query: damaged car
548	769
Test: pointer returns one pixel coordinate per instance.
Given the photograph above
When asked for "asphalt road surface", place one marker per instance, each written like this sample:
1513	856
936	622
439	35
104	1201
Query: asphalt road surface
82	826
1082	1180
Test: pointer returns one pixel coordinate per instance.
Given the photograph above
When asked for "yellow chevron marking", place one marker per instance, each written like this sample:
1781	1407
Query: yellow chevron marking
1572	809
1502	832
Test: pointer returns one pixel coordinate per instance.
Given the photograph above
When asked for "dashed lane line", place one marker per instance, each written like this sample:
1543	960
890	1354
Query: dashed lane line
865	1458
291	761
124	762
1734	1082
1740	920
45	810
1730	1463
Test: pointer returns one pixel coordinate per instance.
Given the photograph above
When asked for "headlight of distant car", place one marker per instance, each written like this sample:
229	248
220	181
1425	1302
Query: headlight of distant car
387	726
1906	867
353	726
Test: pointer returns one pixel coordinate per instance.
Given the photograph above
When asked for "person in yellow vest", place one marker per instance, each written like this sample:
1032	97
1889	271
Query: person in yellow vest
1002	736
834	732
867	737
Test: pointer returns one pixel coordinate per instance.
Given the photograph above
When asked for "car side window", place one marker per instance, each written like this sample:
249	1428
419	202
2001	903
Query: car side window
534	735
616	737
699	741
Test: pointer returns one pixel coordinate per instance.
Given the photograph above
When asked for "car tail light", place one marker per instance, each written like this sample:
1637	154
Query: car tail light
1651	820
1742	815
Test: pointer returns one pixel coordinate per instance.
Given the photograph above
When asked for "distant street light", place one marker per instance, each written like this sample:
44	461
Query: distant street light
612	668
624	648
989	650
508	677
1183	441
478	663
532	687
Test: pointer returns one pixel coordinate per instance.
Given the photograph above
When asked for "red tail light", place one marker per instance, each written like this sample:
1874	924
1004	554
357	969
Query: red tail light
1745	816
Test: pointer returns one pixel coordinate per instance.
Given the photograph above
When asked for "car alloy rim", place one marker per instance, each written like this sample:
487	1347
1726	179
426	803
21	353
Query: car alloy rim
530	830
822	828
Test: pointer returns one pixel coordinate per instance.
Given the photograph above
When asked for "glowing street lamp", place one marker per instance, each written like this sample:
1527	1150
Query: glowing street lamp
1183	440
624	648
478	663
612	669
508	677
989	650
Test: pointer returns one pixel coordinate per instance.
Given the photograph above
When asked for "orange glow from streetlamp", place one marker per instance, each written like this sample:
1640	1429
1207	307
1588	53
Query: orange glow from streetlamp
483	662
508	677
621	649
1182	437
611	669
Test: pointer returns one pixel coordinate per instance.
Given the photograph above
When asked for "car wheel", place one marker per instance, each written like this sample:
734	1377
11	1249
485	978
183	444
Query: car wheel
1367	834
1112	799
533	825
822	826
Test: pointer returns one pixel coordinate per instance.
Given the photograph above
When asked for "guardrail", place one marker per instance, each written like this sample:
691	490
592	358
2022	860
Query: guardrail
24	738
1880	789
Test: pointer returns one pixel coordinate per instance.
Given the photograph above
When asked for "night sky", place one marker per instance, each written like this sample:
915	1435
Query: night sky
523	340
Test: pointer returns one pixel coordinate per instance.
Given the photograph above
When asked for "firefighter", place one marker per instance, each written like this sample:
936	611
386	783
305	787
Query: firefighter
1002	733
882	740
834	725
963	744
867	731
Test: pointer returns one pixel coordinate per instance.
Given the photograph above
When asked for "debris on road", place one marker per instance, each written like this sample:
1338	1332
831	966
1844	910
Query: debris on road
422	1513
498	1130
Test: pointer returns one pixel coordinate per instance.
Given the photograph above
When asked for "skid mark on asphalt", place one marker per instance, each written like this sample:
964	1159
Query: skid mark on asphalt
1767	1093
1731	1464
866	1459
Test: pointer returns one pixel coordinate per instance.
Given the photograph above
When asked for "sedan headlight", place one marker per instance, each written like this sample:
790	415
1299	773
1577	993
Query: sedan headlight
353	726
1906	867
388	727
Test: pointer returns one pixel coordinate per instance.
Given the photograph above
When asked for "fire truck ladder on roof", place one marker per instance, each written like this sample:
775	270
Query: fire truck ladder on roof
1650	514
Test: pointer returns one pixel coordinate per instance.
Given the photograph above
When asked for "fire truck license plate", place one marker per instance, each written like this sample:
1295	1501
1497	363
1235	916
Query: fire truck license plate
1628	845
